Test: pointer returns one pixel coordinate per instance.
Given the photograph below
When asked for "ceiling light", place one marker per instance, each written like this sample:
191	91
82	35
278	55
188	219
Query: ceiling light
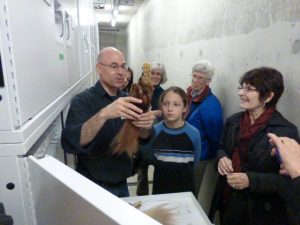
105	18
115	12
113	22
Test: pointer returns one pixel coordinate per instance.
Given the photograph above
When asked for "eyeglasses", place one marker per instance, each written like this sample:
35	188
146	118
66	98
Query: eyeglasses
247	89
115	67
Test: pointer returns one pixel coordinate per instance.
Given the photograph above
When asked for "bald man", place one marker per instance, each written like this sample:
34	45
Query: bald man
94	119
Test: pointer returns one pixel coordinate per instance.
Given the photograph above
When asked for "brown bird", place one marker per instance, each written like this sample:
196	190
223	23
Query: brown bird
127	140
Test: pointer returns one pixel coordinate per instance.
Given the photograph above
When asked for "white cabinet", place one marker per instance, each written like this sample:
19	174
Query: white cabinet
45	191
45	60
35	64
45	48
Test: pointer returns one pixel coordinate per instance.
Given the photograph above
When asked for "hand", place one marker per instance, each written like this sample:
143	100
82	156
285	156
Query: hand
146	119
123	107
225	166
238	180
145	122
289	151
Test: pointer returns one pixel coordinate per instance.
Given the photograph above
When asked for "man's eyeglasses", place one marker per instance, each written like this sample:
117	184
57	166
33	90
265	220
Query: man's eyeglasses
247	89
115	67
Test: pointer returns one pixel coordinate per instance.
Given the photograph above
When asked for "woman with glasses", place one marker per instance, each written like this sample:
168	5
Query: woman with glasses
250	183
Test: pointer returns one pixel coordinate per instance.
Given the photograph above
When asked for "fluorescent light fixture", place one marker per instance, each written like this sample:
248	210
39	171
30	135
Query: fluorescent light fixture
106	18
115	12
108	7
113	22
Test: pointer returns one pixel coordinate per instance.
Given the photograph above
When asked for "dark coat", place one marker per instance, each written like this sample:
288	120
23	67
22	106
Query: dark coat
291	196
260	203
158	90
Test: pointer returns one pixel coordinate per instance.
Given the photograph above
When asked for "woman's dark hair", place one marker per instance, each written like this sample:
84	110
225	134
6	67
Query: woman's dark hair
128	87
265	80
178	91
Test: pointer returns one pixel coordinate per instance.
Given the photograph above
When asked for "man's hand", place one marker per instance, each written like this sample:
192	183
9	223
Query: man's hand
123	107
146	119
145	122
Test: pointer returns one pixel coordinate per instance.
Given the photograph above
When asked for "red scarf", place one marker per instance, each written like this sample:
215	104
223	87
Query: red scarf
247	132
199	98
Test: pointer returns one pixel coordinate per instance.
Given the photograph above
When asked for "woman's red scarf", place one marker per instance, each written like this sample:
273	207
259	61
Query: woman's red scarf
247	131
198	98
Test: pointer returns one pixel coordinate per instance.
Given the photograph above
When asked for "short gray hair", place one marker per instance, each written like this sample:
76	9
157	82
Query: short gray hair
205	67
161	67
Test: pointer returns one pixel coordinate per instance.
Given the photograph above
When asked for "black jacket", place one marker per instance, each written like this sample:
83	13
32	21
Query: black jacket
94	160
260	203
291	196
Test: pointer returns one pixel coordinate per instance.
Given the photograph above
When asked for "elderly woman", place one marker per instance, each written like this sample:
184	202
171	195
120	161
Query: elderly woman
158	76
205	113
251	182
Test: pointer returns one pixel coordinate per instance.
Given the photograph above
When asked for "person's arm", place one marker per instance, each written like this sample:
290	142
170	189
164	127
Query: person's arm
145	122
213	127
91	127
224	161
289	151
197	147
122	107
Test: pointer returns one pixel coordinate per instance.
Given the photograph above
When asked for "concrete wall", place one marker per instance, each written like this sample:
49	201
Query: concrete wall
236	35
115	38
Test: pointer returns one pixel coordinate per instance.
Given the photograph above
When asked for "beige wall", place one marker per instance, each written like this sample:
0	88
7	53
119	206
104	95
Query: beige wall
115	38
236	35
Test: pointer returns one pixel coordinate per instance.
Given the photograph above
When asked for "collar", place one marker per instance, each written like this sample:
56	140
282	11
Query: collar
276	119
101	91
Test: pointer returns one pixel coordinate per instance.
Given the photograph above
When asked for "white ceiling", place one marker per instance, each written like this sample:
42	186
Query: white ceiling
103	15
